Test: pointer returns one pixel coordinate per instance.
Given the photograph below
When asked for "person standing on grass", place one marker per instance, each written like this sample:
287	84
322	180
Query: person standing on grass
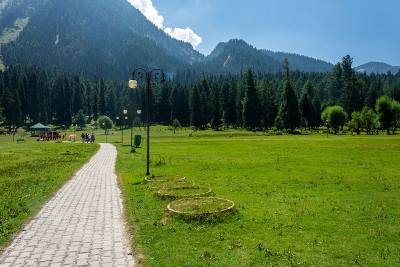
83	137
92	138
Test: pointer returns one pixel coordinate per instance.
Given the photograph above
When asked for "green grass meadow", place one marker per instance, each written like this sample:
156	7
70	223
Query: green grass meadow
300	200
30	173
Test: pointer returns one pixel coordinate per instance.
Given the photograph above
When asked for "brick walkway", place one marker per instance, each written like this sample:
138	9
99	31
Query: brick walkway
80	226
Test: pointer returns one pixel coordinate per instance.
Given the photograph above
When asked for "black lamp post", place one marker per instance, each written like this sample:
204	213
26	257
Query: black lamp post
117	118
148	76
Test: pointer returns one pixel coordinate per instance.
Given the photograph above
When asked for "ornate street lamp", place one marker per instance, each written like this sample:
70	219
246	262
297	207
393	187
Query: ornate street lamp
141	75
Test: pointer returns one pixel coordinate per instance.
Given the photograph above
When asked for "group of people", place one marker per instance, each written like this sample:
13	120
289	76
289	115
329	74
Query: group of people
86	138
52	136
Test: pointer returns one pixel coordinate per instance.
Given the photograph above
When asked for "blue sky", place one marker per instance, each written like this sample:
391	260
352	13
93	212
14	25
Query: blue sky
368	30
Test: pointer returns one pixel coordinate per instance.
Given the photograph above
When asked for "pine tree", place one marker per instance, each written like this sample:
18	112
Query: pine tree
351	97
80	119
94	103
163	105
67	119
196	109
216	122
77	103
111	110
230	108
102	98
269	108
289	110
239	105
306	105
12	108
2	119
372	95
335	85
316	118
251	104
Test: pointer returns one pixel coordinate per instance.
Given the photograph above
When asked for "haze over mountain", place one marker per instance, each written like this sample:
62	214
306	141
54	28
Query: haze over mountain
107	38
377	68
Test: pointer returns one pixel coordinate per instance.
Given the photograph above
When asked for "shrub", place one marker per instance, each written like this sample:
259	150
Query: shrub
334	117
105	123
388	113
369	120
138	140
356	123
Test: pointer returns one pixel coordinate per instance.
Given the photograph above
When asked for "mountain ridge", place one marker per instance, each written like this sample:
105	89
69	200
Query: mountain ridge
377	68
99	39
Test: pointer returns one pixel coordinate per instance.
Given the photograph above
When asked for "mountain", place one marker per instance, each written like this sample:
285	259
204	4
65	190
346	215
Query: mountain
108	38
236	56
377	68
102	37
302	63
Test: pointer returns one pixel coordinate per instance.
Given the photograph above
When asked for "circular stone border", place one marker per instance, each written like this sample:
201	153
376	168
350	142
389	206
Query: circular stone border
155	179
231	207
164	192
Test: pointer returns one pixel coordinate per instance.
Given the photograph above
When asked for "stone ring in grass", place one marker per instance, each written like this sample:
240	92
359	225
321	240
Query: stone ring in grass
184	192
164	182
200	206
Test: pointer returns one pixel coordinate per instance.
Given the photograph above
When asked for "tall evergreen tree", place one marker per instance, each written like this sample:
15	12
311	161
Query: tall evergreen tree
351	97
289	110
306	105
94	99
216	121
335	85
163	105
269	107
102	98
196	109
77	103
251	104
372	95
12	107
67	119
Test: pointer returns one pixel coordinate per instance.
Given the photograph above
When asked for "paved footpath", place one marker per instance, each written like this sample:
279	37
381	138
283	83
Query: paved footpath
81	225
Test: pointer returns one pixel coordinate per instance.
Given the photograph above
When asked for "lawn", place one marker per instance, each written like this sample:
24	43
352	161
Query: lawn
30	173
300	200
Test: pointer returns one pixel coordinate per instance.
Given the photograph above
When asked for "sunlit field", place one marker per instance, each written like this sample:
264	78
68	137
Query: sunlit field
300	200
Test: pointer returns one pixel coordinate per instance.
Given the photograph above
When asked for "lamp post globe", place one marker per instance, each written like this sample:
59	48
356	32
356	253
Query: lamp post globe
133	84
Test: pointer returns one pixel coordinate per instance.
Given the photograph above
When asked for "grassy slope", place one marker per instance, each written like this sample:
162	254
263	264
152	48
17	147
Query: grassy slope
307	200
29	174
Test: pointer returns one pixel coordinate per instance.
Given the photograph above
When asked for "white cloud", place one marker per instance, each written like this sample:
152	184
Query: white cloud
151	13
186	35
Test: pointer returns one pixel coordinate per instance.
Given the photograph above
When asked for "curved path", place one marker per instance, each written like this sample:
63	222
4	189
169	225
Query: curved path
81	225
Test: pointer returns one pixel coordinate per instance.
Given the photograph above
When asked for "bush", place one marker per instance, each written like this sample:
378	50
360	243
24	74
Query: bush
356	122
388	113
105	123
369	120
334	117
138	140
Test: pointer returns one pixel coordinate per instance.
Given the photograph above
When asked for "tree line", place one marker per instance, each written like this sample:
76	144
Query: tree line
255	101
